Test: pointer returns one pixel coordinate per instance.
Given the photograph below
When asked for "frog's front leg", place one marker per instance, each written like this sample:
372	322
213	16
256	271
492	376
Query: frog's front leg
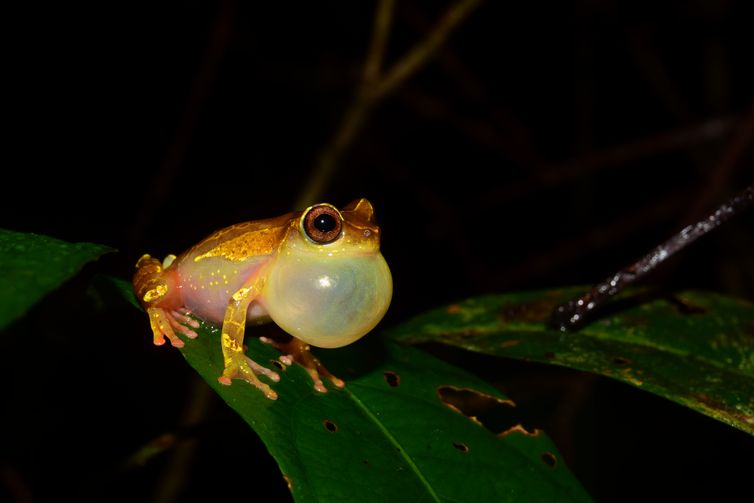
237	364
298	351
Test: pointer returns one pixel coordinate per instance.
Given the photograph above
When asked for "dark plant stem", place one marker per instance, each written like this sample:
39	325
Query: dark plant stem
572	314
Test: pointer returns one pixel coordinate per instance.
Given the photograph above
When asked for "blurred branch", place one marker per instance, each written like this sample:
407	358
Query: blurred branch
162	182
557	173
374	87
652	67
383	20
591	242
726	165
498	130
175	473
420	54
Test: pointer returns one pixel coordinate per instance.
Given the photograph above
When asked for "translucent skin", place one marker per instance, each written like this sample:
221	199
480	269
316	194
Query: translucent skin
327	294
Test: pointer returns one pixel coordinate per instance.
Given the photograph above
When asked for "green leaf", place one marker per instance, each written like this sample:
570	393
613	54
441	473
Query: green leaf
121	288
694	348
31	266
387	436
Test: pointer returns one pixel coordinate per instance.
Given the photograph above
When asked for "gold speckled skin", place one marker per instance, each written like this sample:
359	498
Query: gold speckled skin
325	294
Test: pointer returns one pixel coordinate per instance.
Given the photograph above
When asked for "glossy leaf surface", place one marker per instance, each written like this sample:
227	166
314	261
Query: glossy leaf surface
694	348
388	436
31	266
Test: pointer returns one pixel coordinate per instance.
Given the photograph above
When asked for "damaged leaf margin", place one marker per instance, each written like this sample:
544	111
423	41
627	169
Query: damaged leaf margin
387	434
694	348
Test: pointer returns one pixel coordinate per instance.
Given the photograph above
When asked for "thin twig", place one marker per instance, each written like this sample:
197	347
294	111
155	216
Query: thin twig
559	172
374	88
603	237
383	19
421	53
742	140
174	475
572	314
159	186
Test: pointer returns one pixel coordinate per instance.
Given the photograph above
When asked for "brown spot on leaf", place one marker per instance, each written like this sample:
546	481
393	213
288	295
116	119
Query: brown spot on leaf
461	446
709	401
454	309
619	360
549	459
684	306
536	311
330	426
392	379
509	343
549	355
288	482
495	414
748	329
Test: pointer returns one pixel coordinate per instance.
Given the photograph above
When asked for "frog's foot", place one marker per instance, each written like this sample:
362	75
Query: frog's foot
182	321
300	352
164	323
240	366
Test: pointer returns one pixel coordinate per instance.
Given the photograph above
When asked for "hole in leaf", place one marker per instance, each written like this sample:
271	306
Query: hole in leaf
330	426
277	364
392	379
549	459
461	446
495	414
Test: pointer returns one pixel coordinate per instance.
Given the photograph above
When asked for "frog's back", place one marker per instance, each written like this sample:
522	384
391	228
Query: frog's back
218	266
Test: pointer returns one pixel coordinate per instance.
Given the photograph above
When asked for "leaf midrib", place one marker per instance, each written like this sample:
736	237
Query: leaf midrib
394	441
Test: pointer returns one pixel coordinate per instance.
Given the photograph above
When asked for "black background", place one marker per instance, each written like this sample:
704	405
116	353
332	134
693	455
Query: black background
547	144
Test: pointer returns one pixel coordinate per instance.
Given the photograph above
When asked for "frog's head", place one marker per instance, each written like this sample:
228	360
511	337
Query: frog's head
329	284
351	230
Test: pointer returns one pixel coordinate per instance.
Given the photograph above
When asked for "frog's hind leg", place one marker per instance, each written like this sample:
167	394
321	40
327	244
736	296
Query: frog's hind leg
298	351
237	364
153	288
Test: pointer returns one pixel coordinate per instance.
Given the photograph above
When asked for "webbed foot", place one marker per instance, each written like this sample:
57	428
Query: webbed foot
298	351
164	323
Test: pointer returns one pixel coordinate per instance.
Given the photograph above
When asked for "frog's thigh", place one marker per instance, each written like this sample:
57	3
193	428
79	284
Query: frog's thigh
237	365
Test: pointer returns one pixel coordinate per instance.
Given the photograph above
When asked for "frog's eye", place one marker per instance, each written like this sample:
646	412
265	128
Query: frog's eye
322	224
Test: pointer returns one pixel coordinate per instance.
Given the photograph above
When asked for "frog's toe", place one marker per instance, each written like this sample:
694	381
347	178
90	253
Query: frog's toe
182	322
162	327
186	317
248	370
258	369
300	352
176	342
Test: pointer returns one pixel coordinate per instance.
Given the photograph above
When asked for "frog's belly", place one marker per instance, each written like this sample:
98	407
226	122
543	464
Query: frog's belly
207	286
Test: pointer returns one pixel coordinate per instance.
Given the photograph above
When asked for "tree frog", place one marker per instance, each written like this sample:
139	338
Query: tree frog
318	274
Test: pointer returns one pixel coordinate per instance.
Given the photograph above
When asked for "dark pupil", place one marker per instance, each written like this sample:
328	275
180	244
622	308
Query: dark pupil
325	223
